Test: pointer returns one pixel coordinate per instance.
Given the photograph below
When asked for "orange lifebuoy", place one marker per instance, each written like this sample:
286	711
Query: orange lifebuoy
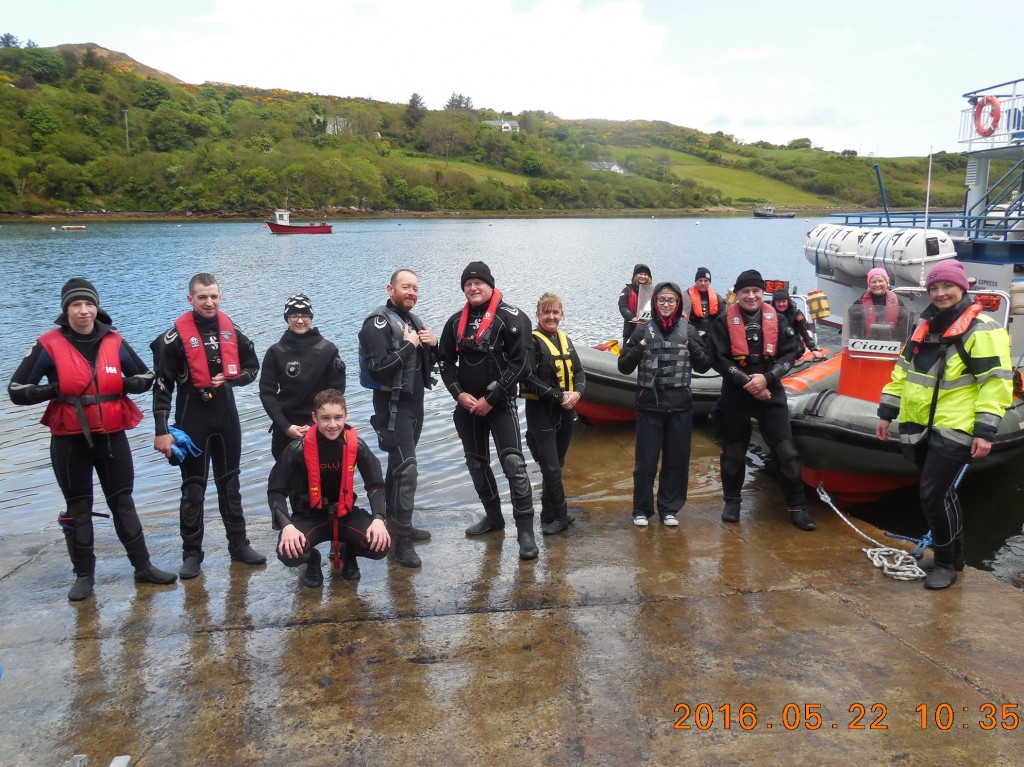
979	112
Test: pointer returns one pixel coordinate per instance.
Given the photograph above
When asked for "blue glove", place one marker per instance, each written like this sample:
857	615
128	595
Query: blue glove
183	445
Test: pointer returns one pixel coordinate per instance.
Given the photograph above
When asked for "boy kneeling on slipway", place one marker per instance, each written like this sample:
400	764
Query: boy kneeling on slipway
317	474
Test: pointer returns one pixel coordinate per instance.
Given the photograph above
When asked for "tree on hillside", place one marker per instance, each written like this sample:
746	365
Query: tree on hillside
458	101
415	110
43	66
9	40
153	94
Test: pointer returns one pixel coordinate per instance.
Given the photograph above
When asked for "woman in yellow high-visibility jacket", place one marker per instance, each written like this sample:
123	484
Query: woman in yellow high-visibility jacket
950	387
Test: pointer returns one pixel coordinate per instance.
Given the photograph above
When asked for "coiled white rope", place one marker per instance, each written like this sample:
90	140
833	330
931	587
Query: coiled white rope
895	563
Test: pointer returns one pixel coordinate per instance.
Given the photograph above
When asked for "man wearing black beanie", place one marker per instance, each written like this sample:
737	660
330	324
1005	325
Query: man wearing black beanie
705	304
752	346
483	354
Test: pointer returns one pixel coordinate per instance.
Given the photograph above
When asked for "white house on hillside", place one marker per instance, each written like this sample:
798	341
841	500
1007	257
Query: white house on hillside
505	126
613	167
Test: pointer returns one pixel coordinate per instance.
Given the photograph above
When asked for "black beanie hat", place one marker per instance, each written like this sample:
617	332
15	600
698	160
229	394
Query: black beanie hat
702	272
477	270
780	295
298	304
642	269
78	289
751	278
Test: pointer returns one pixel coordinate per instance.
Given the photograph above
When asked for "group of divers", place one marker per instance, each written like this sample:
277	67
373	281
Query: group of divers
949	390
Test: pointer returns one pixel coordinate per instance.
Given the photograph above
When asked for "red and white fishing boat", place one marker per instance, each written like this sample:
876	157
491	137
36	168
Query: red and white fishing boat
282	224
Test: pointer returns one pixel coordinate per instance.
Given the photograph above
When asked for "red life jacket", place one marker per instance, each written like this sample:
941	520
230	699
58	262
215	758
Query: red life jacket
485	323
347	495
195	352
634	296
740	350
89	400
958	327
871	313
698	308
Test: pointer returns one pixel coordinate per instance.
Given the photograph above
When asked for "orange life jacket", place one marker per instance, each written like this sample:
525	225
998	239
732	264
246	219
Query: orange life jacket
871	310
698	308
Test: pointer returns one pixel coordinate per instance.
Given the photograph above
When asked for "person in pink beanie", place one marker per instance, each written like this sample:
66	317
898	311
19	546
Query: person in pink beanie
950	387
880	313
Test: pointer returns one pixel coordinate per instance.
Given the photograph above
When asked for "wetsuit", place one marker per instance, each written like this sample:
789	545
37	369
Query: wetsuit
294	371
73	452
290	478
549	426
735	406
798	322
209	416
705	305
399	373
664	407
628	299
491	368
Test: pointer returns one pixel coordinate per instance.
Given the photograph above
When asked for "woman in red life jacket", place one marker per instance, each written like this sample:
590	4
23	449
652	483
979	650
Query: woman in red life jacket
89	369
632	312
880	309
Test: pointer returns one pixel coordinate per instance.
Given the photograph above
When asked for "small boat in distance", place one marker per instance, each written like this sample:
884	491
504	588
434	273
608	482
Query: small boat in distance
768	211
73	227
282	224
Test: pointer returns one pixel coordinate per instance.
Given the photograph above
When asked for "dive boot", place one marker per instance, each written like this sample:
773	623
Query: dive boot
405	554
81	589
314	575
149	573
246	554
802	519
731	510
190	565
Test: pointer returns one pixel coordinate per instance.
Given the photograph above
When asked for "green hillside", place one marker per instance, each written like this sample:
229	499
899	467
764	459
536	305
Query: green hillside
89	129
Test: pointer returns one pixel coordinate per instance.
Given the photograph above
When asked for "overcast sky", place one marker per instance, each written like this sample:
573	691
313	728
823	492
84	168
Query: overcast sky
882	78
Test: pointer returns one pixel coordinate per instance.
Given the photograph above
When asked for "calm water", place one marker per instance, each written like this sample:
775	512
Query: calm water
142	270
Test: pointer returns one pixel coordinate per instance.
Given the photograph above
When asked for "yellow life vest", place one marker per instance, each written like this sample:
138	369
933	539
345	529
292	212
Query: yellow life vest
561	361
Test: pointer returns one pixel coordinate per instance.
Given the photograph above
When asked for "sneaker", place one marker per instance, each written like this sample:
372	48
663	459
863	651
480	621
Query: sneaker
670	520
640	520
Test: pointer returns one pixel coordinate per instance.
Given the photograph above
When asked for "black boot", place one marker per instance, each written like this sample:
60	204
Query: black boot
943	573
559	522
416	535
149	573
82	588
941	577
492	521
527	544
190	565
243	552
405	554
349	566
314	576
802	519
731	510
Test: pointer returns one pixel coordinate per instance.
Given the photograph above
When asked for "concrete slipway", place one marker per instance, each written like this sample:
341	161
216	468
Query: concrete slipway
579	658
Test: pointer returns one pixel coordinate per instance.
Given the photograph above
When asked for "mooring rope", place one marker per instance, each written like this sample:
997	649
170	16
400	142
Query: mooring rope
895	563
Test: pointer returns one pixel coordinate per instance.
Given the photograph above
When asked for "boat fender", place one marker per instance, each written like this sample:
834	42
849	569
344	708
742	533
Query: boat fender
979	113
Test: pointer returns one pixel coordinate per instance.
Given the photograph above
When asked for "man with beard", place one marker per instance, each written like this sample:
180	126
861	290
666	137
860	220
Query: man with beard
396	355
